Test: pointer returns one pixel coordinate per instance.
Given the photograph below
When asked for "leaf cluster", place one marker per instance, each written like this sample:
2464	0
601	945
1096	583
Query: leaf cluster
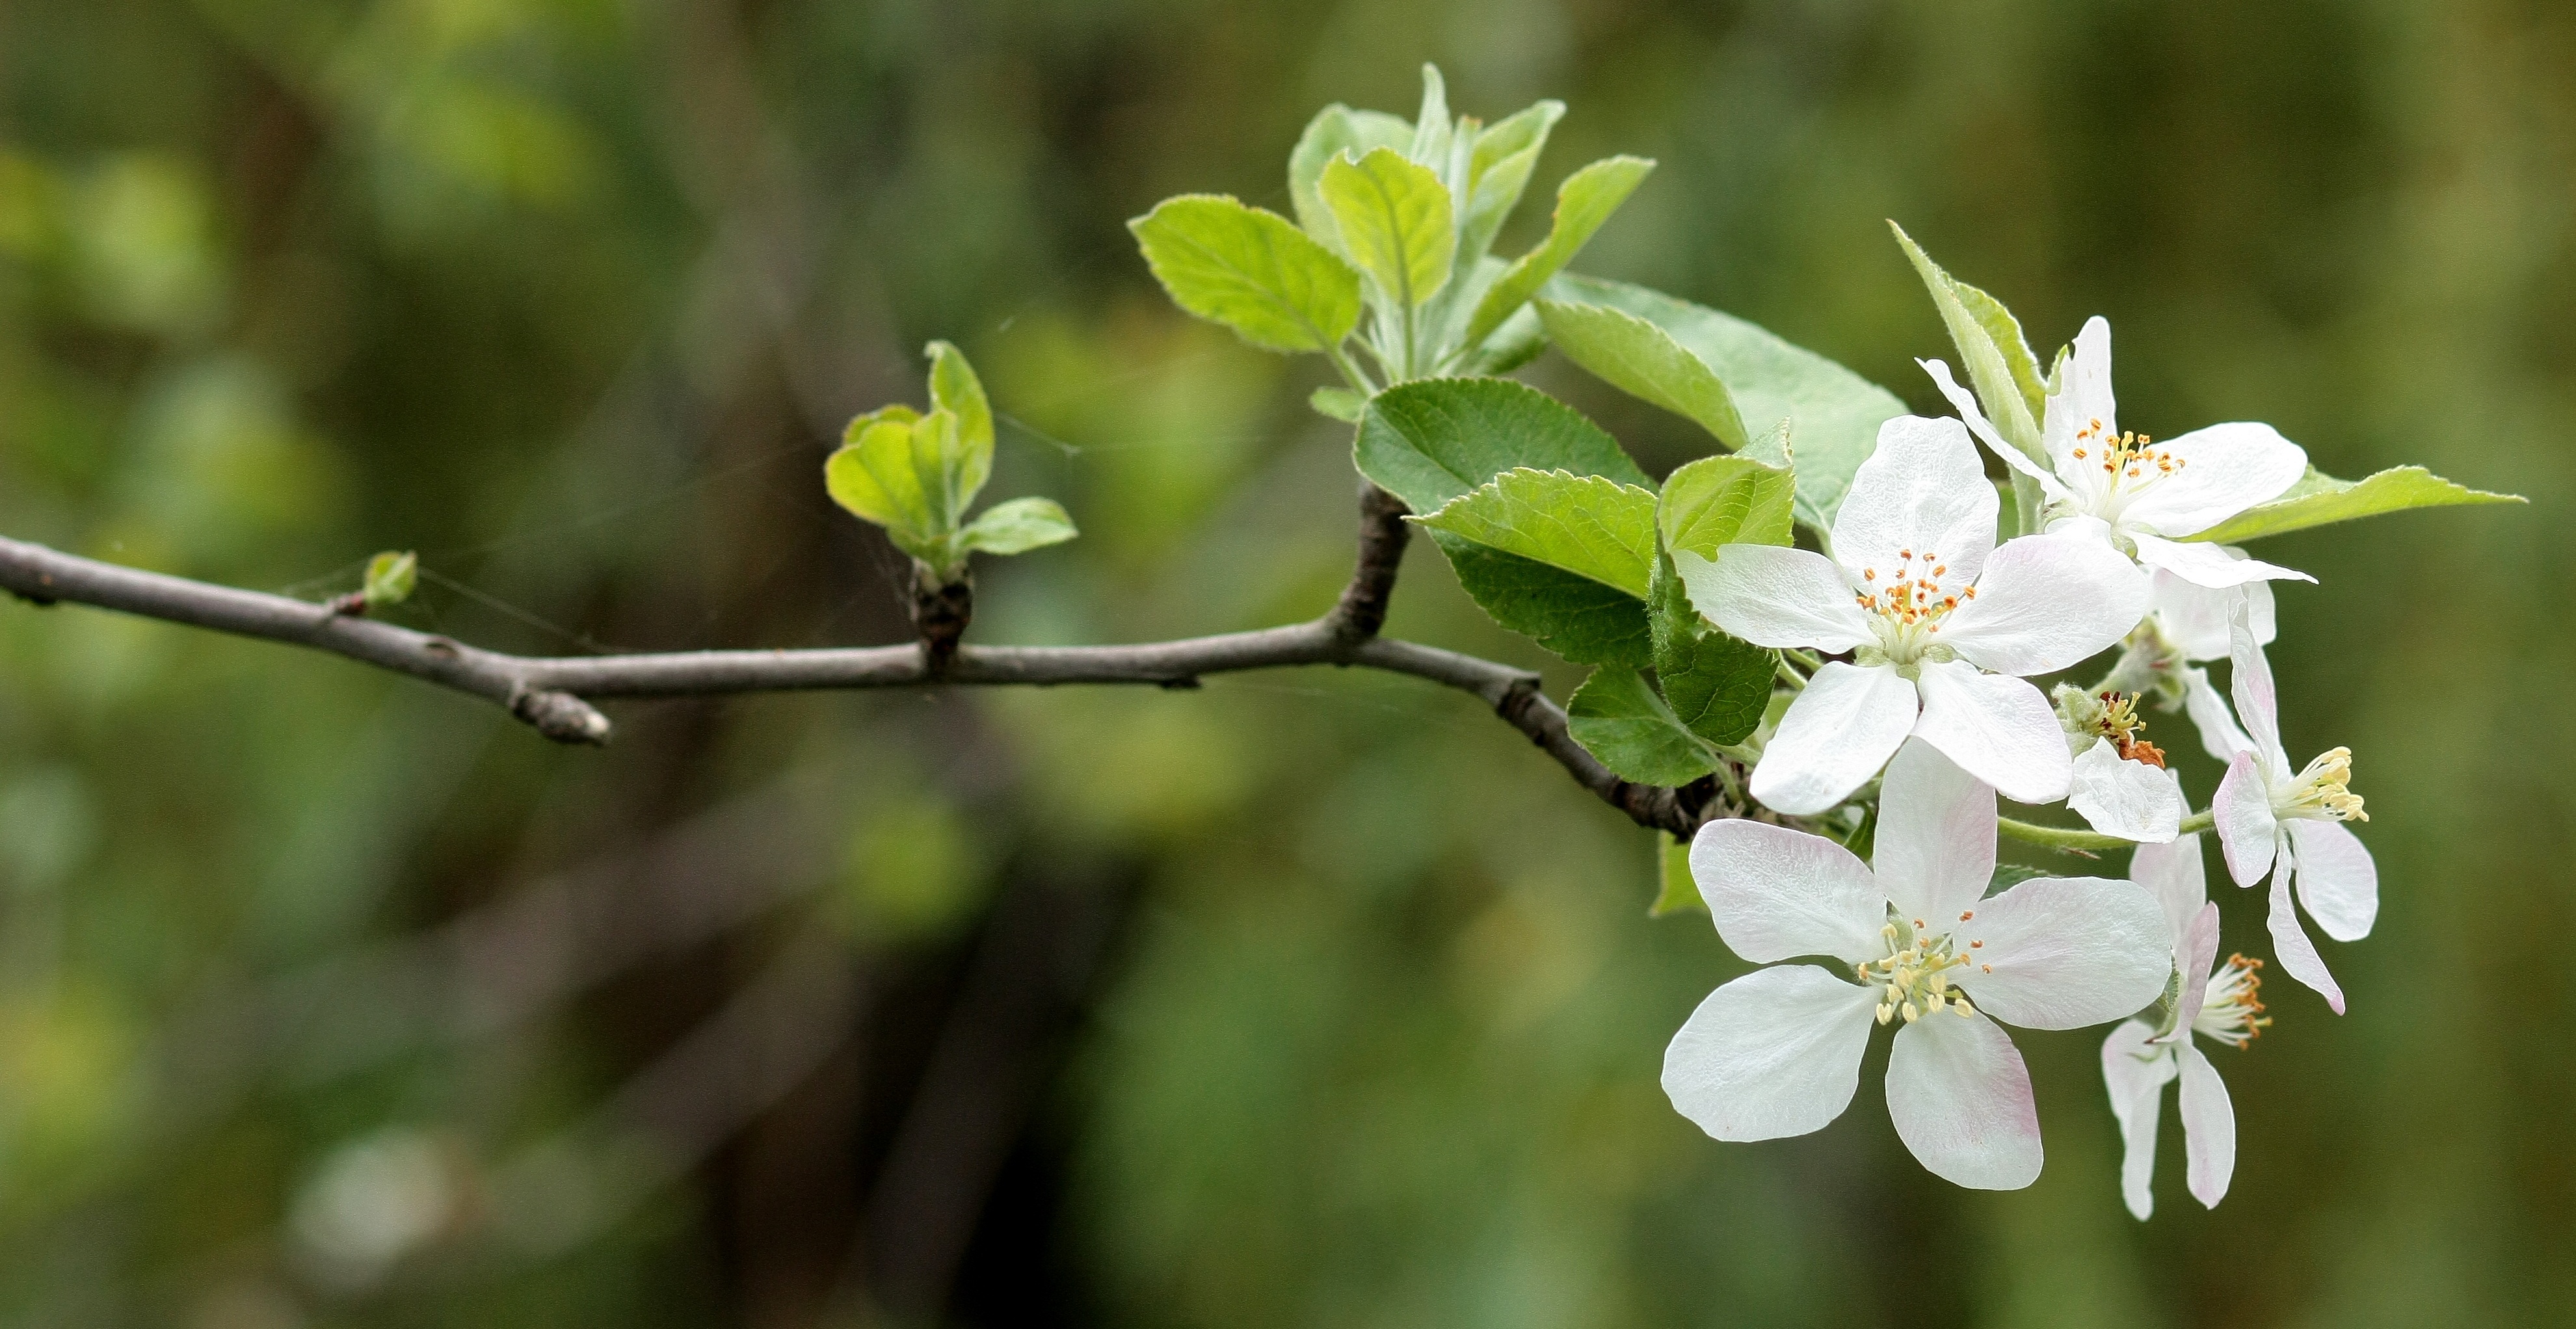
916	474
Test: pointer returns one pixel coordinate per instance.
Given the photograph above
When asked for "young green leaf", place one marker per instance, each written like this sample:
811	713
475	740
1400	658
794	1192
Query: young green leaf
954	388
2319	499
1999	362
1499	169
1833	413
1644	361
1677	891
1395	222
390	579
1018	526
1251	270
1343	404
1719	501
1335	130
1584	524
873	476
1572	615
1583	202
1430	441
1431	127
1717	685
1619	719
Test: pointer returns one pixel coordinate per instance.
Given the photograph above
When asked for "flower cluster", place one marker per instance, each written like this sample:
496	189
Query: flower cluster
1922	637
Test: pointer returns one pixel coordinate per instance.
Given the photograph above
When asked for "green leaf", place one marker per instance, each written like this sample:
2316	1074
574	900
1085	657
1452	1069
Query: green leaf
1584	524
1251	270
1431	127
1335	130
955	389
1998	359
1644	361
1343	404
1018	526
1718	501
1430	441
1583	202
390	578
2319	499
1518	341
873	476
1619	719
1395	222
1499	170
1833	413
1716	685
1574	616
1677	892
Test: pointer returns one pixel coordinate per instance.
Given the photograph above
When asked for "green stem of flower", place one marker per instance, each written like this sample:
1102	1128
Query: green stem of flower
2059	837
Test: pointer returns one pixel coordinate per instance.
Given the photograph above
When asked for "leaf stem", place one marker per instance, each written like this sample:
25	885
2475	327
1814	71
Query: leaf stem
1351	372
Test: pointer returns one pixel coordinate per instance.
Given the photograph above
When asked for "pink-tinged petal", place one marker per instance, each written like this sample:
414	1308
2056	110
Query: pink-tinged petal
2219	735
1839	731
1772	1054
2290	944
2221	471
1997	728
2174	875
2194	618
2082	400
1775	596
1965	403
2194	952
2208	1129
1775	893
2129	799
2136	1073
2258	704
2338	882
1935	847
1922	492
1960	1098
2248	834
2063	953
2047	602
2207	565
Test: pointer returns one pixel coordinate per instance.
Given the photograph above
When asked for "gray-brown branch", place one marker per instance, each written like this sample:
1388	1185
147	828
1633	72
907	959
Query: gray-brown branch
553	694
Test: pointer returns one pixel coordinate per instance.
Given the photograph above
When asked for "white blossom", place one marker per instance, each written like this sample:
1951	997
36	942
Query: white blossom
1777	1052
2141	497
2221	1002
2120	785
2289	823
1926	603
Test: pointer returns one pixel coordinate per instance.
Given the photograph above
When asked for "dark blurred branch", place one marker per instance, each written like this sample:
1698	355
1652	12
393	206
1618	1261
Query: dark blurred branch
1383	532
549	693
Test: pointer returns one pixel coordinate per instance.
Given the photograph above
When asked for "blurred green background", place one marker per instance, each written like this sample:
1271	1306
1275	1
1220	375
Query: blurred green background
1305	999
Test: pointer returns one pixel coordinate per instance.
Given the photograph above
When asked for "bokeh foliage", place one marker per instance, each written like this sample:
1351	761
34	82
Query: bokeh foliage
573	298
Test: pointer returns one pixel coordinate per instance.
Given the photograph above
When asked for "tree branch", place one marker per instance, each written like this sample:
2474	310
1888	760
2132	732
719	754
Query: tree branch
549	692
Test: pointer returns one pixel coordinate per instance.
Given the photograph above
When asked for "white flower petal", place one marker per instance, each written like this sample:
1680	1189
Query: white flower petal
2083	399
1774	596
2136	1073
2248	834
1965	403
2208	1129
2338	882
2047	602
2219	735
1935	848
2224	469
2173	874
1922	491
1839	731
1775	893
1960	1098
2195	951
1996	727
2207	565
2062	953
2129	799
2258	705
1774	1053
2194	618
2290	944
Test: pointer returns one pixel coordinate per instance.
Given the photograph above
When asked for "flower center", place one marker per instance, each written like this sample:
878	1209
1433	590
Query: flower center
1915	974
2232	1013
2322	792
2129	464
1908	601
